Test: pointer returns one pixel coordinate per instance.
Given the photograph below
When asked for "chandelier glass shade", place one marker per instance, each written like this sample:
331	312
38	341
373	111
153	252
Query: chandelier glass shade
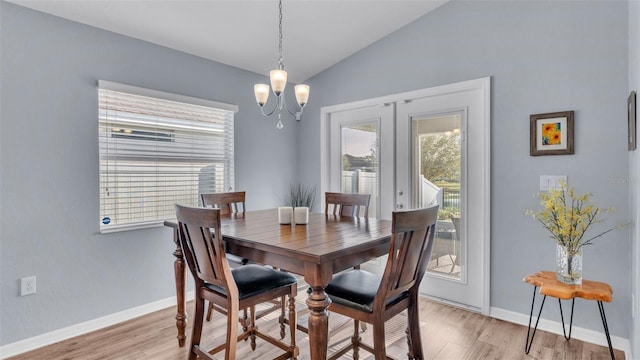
278	79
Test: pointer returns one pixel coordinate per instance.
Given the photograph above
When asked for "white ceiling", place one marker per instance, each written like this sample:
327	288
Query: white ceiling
244	33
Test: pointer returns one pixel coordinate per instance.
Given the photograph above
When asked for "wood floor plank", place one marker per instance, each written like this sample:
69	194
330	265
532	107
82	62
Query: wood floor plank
447	333
483	350
450	351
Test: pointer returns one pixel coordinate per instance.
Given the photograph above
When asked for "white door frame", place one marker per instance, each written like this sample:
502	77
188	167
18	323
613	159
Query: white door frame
484	85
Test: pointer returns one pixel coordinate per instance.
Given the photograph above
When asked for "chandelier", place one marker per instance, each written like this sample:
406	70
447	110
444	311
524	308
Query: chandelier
278	79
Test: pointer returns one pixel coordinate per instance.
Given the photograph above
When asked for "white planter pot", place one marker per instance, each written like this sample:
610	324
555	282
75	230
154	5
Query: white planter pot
285	214
301	215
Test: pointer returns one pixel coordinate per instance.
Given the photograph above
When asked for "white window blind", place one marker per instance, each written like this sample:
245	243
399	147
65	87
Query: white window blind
158	149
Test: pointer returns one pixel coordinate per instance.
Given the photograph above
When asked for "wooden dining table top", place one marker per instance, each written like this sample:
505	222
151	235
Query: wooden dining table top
325	238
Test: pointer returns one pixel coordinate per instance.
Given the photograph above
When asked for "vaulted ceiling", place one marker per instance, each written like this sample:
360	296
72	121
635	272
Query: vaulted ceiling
244	33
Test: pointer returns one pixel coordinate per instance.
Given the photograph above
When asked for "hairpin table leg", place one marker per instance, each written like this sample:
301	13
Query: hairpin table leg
606	328
527	345
573	302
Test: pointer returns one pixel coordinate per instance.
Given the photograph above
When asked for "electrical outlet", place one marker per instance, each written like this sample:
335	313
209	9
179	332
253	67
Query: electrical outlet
27	285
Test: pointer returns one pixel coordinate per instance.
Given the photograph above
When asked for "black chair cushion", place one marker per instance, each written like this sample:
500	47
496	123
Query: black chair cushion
355	289
256	279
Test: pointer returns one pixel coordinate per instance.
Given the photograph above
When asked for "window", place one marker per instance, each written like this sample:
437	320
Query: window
158	149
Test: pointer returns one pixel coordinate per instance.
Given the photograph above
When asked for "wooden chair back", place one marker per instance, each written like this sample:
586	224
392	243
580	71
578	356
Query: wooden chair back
203	248
412	234
228	202
347	204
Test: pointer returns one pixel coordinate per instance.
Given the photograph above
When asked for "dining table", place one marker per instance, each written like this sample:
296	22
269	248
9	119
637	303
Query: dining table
327	244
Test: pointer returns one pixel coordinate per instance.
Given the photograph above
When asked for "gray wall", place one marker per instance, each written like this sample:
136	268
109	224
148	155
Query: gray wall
542	57
49	177
634	173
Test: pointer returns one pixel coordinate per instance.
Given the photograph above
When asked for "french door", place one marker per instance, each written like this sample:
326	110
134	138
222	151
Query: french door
361	158
415	150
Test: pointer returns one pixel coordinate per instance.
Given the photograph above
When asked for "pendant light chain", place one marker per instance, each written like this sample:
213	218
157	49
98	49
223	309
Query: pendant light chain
278	78
281	59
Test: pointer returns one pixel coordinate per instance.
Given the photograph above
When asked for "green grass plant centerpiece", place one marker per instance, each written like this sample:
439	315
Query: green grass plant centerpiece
300	196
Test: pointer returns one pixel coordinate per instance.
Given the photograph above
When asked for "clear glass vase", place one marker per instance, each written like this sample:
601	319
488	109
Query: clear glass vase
569	266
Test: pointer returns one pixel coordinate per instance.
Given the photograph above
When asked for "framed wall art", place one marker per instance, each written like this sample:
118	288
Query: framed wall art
551	133
631	120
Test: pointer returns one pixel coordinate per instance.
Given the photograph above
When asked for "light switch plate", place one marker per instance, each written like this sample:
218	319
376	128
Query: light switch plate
27	285
548	182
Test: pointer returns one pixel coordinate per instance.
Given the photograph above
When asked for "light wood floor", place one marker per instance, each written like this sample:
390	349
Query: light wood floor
447	333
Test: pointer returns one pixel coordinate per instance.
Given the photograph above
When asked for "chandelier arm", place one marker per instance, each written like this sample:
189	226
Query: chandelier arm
296	114
270	112
281	104
284	106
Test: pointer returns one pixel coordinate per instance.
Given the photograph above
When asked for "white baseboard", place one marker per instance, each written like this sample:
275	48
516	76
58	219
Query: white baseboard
55	336
555	327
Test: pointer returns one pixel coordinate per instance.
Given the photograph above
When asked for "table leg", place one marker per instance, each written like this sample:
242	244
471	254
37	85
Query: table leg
606	328
527	345
318	322
570	321
181	290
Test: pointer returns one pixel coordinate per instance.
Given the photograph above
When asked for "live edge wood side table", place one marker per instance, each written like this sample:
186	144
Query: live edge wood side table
589	290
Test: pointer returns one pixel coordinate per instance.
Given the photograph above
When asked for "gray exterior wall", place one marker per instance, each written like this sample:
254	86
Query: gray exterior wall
542	57
49	157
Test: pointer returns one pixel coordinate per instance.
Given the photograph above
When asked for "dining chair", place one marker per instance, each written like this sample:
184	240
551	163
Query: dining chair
227	202
345	204
342	204
232	289
371	298
233	203
443	246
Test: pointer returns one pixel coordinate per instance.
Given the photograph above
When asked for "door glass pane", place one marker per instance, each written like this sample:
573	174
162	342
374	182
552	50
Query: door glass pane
360	161
437	164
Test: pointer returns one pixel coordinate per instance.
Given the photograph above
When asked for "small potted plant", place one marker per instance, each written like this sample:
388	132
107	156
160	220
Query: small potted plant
300	199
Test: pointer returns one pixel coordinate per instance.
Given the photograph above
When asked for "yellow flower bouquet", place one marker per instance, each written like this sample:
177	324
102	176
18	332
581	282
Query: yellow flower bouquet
567	216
